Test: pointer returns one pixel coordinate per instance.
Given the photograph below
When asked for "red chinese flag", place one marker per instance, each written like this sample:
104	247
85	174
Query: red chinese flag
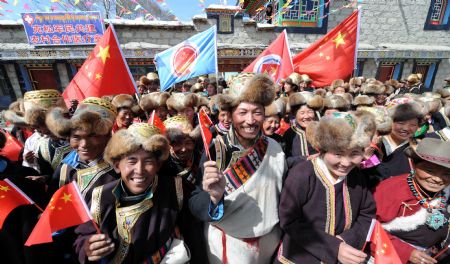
105	72
156	121
384	252
275	60
10	198
331	57
12	147
66	208
205	123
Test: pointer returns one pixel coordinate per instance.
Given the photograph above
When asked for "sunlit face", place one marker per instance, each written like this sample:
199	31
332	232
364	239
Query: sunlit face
189	113
211	89
271	125
183	149
288	88
404	130
340	163
124	117
88	146
304	116
225	119
432	177
339	90
247	119
137	170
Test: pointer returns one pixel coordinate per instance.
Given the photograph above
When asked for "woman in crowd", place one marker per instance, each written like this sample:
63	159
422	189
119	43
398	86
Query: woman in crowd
220	106
325	206
413	207
137	213
124	104
273	115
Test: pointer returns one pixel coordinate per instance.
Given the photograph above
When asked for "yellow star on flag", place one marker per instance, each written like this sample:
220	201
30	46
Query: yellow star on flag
98	76
103	53
321	54
89	74
4	188
340	39
327	57
66	197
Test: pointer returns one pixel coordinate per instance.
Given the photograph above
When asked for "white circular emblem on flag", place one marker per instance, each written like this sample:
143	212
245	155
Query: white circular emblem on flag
184	59
268	64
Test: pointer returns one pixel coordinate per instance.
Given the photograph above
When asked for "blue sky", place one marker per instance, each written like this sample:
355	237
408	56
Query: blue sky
183	9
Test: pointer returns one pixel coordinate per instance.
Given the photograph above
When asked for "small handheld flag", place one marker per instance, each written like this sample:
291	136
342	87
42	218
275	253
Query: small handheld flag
12	147
10	198
205	123
156	121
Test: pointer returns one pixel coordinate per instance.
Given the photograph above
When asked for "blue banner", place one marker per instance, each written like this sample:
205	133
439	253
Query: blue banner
63	28
193	57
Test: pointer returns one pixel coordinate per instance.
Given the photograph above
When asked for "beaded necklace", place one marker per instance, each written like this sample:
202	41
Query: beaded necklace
436	218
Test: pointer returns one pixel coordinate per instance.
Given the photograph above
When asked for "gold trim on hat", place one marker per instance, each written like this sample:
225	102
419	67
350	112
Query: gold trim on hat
100	102
143	130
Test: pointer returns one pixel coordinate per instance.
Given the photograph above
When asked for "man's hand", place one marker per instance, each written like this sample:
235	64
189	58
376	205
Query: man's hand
30	157
97	247
421	257
350	255
213	181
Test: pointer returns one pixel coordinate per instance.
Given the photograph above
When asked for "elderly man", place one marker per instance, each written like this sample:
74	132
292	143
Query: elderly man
239	187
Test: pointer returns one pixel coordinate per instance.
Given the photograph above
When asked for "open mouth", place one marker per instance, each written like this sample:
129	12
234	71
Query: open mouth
250	130
138	180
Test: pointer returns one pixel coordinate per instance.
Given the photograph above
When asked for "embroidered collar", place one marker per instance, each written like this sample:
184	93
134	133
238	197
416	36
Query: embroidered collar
234	141
389	144
327	173
73	159
122	194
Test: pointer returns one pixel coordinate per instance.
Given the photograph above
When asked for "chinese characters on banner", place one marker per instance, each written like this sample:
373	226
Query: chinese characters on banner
63	28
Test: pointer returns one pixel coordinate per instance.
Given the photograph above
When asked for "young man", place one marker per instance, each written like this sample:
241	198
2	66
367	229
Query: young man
243	222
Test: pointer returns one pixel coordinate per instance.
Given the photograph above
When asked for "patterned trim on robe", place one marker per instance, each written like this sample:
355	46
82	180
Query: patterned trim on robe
87	177
331	202
95	203
179	190
303	142
63	175
442	135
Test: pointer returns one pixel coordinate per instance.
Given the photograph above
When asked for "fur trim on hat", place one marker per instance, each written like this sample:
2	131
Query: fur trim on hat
382	120
152	76
144	80
407	111
58	122
296	100
336	102
277	107
336	83
91	123
447	110
295	79
355	81
432	101
313	101
179	101
124	143
14	117
123	101
197	87
363	100
321	92
35	116
372	88
260	89
151	101
444	92
202	101
220	102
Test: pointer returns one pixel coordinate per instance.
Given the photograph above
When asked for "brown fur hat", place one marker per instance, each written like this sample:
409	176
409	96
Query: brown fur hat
339	83
202	101
123	101
220	102
407	111
382	119
252	88
93	115
294	78
444	92
296	100
197	87
16	113
432	101
179	101
373	88
144	80
179	126
336	102
277	107
152	101
138	136
363	100
321	92
355	81
152	76
447	110
413	79
343	131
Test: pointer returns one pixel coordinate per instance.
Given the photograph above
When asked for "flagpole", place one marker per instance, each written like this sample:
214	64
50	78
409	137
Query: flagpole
75	185
441	252
358	27
23	194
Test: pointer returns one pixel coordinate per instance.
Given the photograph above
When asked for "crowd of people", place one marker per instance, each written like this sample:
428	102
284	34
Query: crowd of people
294	173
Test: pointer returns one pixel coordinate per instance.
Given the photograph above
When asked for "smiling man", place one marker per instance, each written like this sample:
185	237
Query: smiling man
242	224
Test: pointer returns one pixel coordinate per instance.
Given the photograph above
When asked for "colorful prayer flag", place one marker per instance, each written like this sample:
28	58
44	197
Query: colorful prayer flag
66	208
10	198
194	57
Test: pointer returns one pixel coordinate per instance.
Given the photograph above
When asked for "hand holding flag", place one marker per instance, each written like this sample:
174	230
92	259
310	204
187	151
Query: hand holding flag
205	123
384	252
67	208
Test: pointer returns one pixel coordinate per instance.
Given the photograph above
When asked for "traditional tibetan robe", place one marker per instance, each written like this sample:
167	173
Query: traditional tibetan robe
405	219
50	154
315	208
142	227
190	227
443	134
296	147
87	176
218	129
248	231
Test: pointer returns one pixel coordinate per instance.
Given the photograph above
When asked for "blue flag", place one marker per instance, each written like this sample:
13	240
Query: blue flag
193	57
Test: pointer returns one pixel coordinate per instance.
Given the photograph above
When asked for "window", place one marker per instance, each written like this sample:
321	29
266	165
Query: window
302	16
225	24
438	15
42	77
428	69
389	70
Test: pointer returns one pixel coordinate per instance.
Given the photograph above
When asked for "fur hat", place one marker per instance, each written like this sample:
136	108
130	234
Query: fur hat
151	101
373	88
355	81
144	80
179	101
277	107
179	125
407	110
202	101
363	100
444	92
306	79
382	119
413	79
152	76
342	131
123	101
35	106
197	87
432	101
394	83
220	102
294	78
93	115
321	92
137	136
339	83
252	88
336	102
447	110
296	100
16	113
